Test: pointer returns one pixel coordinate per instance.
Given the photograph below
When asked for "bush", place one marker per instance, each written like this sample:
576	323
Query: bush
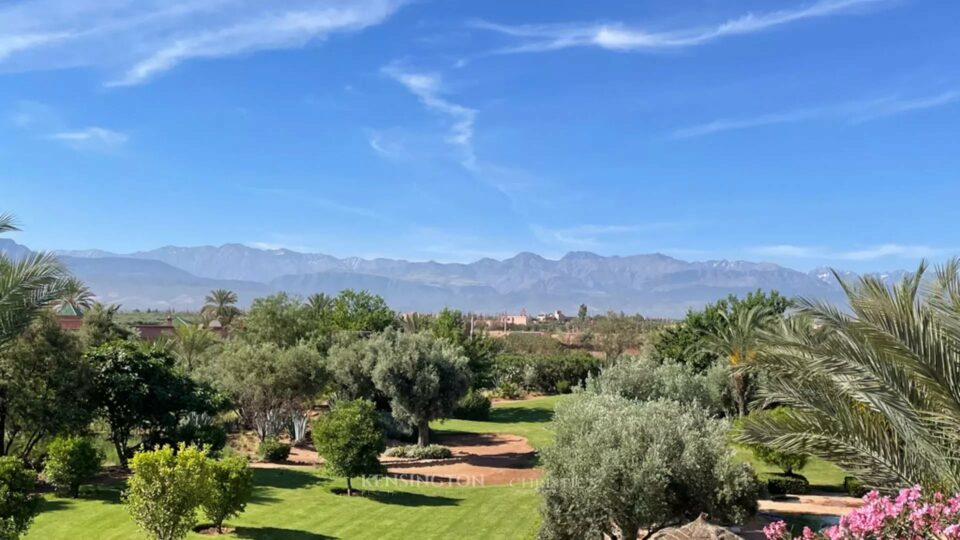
71	461
788	462
349	440
551	373
166	488
509	390
231	486
433	451
18	503
644	379
783	484
273	450
202	431
638	465
854	487
473	406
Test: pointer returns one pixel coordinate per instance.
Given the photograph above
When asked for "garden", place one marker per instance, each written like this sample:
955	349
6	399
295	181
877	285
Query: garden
335	417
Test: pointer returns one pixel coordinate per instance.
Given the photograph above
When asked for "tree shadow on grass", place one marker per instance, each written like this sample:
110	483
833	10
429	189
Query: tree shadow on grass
403	498
516	415
285	478
54	505
275	533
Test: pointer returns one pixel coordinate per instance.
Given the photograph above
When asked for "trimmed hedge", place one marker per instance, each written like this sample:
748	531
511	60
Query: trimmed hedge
854	487
273	450
473	406
433	451
783	484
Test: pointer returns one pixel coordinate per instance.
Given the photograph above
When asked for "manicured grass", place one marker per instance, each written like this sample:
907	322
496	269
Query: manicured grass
299	505
530	419
822	475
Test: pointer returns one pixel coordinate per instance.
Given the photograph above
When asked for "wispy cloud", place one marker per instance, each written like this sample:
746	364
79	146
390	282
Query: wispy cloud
301	196
143	38
882	251
854	113
91	136
592	235
429	89
621	37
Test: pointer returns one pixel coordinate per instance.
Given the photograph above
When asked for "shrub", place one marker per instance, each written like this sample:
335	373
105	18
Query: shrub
854	487
166	488
509	390
545	373
562	387
273	450
788	462
783	484
433	451
231	486
71	461
349	440
645	379
18	503
473	406
619	463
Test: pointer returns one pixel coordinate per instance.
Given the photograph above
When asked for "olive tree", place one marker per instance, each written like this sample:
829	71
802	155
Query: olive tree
166	488
349	440
423	377
619	466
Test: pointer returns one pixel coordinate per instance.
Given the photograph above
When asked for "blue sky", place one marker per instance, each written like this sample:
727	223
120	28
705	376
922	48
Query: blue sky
799	132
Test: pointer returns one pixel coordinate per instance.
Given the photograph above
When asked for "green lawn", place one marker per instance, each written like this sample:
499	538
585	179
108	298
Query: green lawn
530	419
298	505
823	476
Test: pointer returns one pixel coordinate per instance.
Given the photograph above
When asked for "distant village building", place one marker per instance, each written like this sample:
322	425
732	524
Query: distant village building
557	315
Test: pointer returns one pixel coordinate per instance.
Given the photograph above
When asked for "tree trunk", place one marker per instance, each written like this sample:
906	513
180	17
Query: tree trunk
121	449
740	388
349	487
3	422
423	433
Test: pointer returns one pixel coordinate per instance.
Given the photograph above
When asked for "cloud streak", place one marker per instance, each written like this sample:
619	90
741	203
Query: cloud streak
623	38
144	38
91	136
853	113
428	88
593	235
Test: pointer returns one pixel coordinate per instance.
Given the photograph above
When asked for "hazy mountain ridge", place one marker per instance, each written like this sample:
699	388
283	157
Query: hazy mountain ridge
652	284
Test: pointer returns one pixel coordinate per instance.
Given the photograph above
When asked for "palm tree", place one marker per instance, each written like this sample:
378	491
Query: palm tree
877	392
26	286
221	303
319	302
737	337
75	295
191	342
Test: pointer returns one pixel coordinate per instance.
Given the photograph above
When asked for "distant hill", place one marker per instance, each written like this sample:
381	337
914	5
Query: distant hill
652	284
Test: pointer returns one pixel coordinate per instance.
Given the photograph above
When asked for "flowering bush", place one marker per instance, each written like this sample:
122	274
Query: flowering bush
912	515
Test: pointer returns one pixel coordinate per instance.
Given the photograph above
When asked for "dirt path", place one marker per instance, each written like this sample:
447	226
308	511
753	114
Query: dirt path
478	459
821	505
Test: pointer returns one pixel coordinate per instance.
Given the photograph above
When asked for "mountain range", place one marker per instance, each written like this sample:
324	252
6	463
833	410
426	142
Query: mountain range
652	284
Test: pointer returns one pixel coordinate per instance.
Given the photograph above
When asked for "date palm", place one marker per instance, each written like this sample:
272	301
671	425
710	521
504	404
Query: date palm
75	295
876	390
27	286
191	342
319	302
737	337
221	303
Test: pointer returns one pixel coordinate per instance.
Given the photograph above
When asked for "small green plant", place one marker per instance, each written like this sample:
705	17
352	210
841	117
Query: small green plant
18	503
562	387
273	450
166	488
783	484
433	451
349	440
71	461
231	486
473	406
788	462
